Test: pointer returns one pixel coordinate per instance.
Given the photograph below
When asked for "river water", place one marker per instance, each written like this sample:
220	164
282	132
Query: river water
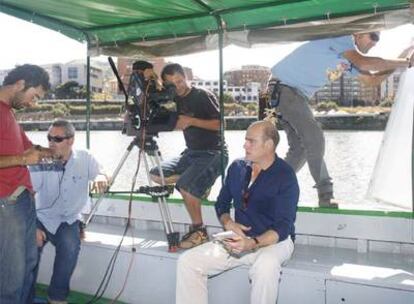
350	157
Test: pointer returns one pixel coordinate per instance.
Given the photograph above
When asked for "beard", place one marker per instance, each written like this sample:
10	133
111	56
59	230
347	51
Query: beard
17	102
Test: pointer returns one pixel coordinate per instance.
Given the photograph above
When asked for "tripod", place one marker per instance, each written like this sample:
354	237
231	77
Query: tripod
160	193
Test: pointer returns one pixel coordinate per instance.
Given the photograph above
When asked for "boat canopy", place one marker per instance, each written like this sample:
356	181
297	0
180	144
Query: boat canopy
148	28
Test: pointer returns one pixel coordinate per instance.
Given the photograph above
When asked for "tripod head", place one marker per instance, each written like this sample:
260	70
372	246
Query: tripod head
149	146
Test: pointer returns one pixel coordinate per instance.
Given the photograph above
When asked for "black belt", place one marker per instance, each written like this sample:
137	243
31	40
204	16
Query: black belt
274	89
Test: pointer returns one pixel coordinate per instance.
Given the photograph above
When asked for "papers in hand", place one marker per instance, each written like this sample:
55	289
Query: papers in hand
225	235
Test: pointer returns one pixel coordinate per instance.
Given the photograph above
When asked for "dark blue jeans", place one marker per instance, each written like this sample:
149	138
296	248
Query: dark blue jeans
67	244
18	251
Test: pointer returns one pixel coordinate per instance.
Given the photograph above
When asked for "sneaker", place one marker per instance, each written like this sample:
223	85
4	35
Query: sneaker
194	238
325	201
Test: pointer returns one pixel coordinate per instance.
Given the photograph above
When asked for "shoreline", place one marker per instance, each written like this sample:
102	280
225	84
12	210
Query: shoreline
362	122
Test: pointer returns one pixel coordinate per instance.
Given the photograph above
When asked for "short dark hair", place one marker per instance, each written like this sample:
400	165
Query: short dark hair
171	69
66	125
33	76
142	65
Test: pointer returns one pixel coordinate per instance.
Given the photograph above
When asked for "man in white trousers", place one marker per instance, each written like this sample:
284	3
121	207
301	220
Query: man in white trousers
264	191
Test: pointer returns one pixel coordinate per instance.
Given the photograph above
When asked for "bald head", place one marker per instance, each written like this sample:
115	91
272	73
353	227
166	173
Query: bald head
260	143
268	131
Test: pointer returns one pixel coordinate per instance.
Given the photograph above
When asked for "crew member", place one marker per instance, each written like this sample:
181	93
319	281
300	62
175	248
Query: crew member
307	69
61	195
22	87
199	165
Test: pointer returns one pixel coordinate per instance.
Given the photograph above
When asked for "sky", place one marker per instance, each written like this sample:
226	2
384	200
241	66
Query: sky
25	42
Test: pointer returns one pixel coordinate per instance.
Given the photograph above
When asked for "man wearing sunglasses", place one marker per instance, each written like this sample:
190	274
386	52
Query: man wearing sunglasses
61	195
264	192
21	88
297	77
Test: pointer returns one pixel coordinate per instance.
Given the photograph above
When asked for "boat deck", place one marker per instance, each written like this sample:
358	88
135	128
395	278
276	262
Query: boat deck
315	274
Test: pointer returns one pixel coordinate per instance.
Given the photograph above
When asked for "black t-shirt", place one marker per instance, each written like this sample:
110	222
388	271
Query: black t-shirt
201	104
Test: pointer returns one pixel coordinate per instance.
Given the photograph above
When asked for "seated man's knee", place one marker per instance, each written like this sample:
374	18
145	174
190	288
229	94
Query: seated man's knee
69	244
268	270
167	180
69	247
267	261
184	261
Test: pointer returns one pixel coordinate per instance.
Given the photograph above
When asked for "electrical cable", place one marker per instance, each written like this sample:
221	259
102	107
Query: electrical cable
58	195
131	262
110	268
141	150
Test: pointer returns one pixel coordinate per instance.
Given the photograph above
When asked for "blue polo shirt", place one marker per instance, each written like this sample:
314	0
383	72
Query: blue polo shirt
272	198
315	63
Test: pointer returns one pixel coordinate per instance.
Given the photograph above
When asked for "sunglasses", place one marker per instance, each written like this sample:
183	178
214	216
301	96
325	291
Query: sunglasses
374	37
57	139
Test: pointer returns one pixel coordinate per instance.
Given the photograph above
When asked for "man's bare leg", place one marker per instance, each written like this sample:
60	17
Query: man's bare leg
193	205
198	233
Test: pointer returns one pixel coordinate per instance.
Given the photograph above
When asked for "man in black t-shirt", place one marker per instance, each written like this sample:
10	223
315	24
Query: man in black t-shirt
197	168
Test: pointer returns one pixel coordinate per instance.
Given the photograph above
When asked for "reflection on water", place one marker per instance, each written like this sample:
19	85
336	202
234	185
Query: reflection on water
350	157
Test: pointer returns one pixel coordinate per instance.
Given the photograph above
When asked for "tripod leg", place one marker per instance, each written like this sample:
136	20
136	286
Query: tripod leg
172	237
111	182
157	158
163	215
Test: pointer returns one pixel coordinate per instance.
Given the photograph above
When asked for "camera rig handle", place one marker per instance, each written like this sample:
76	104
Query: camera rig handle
120	83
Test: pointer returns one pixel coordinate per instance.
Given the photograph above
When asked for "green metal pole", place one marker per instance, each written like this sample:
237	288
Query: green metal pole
412	173
88	101
221	95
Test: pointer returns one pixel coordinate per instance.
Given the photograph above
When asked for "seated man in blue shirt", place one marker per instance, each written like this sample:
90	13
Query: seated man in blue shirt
264	191
61	194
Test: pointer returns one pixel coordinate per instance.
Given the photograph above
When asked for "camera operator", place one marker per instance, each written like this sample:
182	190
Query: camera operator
199	165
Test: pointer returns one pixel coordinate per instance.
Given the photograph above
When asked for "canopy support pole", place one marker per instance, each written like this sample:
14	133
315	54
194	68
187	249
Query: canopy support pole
88	99
221	94
412	173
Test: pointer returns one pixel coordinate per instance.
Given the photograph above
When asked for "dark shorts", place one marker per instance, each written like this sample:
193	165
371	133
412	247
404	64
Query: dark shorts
198	170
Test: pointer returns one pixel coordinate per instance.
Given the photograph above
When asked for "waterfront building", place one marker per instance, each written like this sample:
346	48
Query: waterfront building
390	85
242	94
76	70
348	91
248	74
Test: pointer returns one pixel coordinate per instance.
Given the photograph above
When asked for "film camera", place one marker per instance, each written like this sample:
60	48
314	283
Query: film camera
149	106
